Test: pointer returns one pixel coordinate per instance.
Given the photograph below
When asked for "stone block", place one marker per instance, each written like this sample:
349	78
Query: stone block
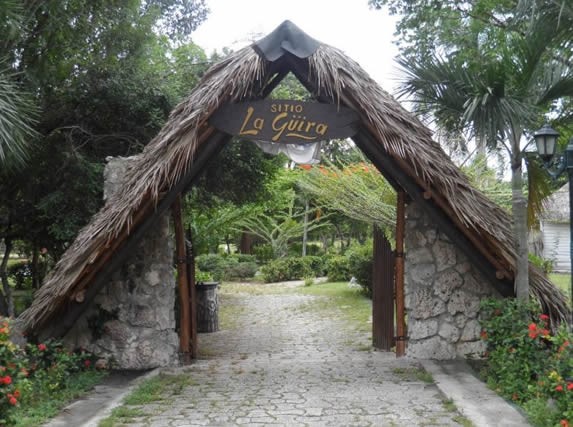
444	254
426	305
471	349
446	282
431	348
462	302
421	274
471	331
449	332
419	256
418	330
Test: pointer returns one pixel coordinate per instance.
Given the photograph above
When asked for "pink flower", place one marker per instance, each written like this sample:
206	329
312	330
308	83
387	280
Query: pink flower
559	388
42	347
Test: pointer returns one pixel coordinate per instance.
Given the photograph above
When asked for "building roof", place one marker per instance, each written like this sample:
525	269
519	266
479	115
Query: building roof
556	207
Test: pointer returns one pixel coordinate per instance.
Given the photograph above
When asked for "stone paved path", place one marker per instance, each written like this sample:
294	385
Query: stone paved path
286	363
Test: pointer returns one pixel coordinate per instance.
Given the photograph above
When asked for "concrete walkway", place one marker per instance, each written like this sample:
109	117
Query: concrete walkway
283	359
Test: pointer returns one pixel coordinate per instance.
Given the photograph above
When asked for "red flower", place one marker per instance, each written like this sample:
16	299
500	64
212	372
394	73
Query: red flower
544	332
483	335
42	347
544	317
87	363
564	423
559	388
532	327
570	386
532	334
7	380
16	393
12	400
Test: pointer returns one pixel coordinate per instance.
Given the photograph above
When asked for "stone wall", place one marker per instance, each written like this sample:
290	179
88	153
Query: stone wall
131	321
442	293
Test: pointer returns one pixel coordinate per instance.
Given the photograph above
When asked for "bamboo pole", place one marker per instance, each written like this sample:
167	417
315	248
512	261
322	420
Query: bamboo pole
185	317
400	320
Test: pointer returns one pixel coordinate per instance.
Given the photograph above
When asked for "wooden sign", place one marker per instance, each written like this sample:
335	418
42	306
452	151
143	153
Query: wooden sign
285	121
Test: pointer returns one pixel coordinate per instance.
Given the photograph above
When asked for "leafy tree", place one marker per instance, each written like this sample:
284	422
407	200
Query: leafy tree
357	190
104	75
494	83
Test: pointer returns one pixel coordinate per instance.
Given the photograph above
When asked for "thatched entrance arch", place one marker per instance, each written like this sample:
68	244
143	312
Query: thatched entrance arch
393	139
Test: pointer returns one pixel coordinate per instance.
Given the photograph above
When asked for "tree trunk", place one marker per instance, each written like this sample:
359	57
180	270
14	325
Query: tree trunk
305	230
519	208
8	298
245	247
35	267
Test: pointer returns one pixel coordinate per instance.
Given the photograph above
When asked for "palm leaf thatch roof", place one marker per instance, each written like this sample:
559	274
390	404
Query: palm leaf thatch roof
556	207
398	144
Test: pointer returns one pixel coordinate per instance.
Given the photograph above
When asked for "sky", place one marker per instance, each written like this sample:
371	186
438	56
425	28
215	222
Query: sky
362	33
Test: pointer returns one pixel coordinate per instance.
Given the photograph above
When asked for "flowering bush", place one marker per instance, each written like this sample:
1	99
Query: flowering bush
527	363
43	366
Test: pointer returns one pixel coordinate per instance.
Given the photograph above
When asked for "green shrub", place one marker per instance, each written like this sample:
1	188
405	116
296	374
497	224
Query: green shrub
526	362
263	253
293	268
203	276
240	270
360	263
38	371
544	264
244	258
312	249
338	269
227	267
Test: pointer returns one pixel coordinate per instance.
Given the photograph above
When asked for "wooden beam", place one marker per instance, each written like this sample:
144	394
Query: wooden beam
184	295
209	148
382	293
193	294
400	308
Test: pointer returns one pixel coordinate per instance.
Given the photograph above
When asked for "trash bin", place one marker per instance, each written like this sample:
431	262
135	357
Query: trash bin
207	307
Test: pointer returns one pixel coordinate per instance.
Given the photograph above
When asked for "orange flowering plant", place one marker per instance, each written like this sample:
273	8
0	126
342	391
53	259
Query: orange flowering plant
527	361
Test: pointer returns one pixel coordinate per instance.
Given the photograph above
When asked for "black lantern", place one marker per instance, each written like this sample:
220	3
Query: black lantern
546	141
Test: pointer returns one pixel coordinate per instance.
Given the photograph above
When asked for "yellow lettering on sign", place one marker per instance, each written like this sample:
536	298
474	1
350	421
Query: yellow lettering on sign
258	124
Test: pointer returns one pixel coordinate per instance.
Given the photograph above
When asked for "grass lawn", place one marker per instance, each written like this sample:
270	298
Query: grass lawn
563	282
44	403
350	303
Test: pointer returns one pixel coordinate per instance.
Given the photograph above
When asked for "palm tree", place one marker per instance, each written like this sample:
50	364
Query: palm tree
499	95
16	112
16	109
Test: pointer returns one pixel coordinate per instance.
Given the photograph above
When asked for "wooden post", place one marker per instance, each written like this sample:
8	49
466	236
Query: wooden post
193	294
382	293
185	318
400	320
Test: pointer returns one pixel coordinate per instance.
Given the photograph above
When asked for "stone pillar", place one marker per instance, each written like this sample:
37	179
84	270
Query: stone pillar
442	292
131	321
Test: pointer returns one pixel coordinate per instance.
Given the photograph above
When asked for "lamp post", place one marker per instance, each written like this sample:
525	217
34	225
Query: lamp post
546	141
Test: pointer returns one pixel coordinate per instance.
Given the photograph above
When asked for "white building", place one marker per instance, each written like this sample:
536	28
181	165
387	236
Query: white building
555	229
